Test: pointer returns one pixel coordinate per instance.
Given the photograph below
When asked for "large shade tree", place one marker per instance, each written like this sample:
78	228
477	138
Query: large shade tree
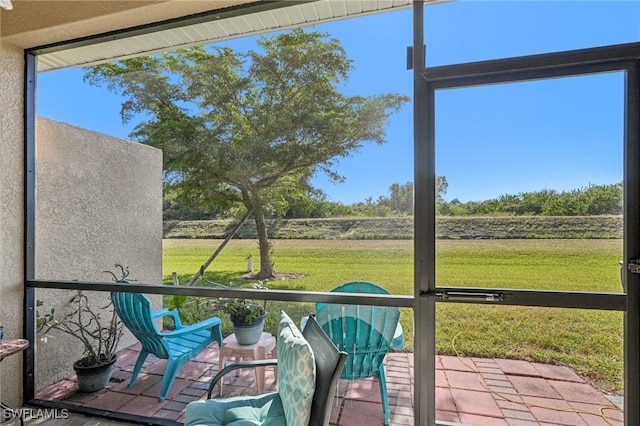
249	127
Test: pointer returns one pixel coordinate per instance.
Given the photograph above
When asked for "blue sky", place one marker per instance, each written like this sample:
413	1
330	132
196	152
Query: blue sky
557	134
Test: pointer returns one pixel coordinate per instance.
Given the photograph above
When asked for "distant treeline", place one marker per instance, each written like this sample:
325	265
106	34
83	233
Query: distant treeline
592	200
589	201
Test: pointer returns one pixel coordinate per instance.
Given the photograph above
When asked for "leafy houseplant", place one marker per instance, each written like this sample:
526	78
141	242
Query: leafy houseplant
98	333
241	311
246	316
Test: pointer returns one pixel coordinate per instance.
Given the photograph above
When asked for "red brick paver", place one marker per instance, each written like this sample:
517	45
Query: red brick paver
557	372
534	386
470	391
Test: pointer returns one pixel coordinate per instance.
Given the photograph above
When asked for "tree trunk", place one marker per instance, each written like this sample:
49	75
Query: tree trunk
217	251
266	267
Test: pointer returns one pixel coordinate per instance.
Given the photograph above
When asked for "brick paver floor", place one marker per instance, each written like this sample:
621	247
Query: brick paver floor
469	391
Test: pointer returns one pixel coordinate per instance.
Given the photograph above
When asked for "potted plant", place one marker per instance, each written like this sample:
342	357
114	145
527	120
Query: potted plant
246	316
97	327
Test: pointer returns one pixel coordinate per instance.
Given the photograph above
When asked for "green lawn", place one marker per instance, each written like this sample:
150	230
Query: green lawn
590	342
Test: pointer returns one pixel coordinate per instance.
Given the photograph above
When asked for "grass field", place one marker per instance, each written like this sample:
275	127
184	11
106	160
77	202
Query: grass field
590	342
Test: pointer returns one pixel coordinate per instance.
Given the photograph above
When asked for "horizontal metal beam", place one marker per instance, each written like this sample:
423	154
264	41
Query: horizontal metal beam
539	298
575	62
402	301
198	18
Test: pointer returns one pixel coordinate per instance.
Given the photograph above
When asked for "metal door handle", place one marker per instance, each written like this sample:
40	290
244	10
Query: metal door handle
470	296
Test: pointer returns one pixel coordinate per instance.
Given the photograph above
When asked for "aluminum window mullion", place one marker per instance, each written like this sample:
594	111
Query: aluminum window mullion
424	231
631	244
622	58
29	319
591	60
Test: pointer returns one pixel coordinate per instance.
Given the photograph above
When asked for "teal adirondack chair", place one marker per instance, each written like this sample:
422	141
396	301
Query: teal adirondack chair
177	346
366	333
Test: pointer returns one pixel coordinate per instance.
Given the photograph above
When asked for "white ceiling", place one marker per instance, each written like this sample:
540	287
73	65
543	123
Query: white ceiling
215	30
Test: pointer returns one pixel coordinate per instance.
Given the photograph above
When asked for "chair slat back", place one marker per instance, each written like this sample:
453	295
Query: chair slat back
135	311
364	332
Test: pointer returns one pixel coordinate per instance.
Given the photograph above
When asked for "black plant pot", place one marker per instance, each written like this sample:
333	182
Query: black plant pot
94	377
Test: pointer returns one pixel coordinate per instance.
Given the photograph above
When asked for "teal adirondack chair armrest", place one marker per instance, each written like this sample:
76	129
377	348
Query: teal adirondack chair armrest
188	329
172	312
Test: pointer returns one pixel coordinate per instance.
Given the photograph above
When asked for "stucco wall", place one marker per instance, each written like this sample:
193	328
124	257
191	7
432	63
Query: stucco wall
11	213
99	201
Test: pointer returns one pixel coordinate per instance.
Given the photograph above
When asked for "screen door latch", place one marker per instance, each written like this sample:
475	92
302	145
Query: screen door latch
471	296
634	266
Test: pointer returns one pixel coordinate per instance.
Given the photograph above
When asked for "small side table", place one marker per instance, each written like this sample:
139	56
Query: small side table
10	347
230	347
